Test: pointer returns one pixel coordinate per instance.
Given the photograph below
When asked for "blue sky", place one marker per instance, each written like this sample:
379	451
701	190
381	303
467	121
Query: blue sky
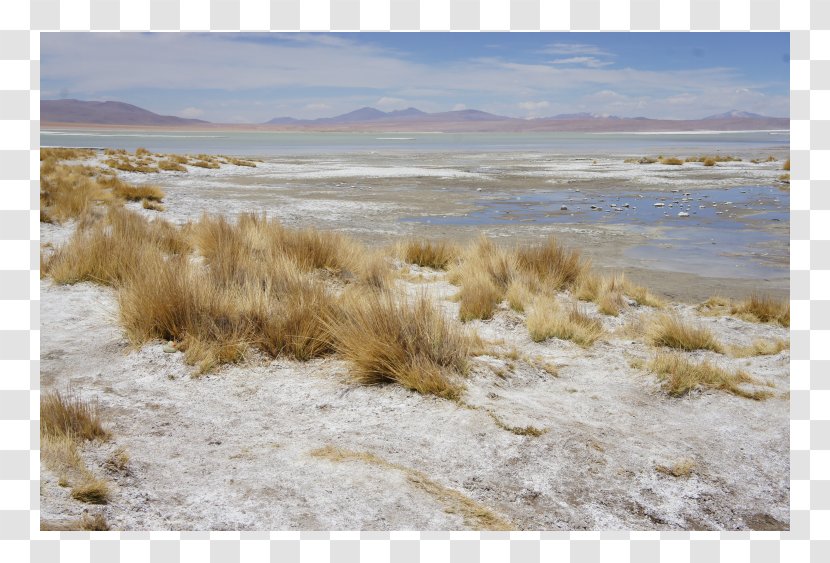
250	78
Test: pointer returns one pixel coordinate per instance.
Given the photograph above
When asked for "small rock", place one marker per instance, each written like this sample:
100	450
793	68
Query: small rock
169	348
682	214
563	208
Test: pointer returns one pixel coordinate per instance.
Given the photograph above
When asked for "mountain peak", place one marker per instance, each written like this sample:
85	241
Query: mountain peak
735	114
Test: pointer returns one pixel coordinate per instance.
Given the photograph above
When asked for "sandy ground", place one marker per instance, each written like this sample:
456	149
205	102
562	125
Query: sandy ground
236	449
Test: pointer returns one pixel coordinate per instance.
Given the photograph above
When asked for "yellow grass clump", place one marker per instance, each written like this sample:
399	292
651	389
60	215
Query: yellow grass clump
137	193
57	153
69	192
682	468
205	164
141	151
786	165
172	166
87	523
152	205
709	161
672	160
386	338
112	249
680	376
519	296
547	319
550	266
763	309
432	254
759	347
671	331
240	162
479	297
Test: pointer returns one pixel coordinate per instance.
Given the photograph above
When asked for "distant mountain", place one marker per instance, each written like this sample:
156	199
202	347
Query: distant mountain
583	115
735	114
282	121
106	113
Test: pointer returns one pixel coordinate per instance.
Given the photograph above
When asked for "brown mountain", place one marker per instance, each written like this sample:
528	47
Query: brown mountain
106	113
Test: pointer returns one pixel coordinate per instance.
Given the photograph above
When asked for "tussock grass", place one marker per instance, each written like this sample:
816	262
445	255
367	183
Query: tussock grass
431	254
65	422
673	332
69	192
674	161
713	158
550	266
66	415
763	309
680	376
58	153
479	297
137	193
152	205
178	158
141	151
112	250
172	166
519	296
240	162
759	347
547	319
205	164
786	165
86	523
92	491
709	161
386	339
682	468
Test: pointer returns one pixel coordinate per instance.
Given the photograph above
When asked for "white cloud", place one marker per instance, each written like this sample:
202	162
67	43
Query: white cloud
192	112
388	103
575	49
459	107
590	62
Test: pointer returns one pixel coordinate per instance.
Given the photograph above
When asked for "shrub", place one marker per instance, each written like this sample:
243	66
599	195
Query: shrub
547	319
764	309
432	254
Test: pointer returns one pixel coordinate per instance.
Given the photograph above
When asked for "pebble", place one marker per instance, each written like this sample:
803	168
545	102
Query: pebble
682	214
563	208
169	348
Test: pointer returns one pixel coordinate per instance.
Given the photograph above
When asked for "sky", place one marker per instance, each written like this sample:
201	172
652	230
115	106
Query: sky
251	78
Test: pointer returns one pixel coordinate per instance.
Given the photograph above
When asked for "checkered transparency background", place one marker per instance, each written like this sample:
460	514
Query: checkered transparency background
22	21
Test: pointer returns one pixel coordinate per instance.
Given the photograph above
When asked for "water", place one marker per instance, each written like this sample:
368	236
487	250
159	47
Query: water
270	143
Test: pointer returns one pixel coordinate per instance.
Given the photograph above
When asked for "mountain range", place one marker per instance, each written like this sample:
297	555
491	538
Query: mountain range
78	112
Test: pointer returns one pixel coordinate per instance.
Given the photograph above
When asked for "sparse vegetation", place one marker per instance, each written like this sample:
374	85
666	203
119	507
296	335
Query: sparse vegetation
548	319
674	161
86	523
205	164
759	347
172	166
386	339
786	165
475	515
479	297
671	331
682	468
431	254
680	376
763	309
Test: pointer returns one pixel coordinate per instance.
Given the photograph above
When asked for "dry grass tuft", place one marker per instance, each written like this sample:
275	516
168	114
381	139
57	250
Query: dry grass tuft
152	205
547	319
66	415
680	376
709	161
431	254
682	468
58	153
205	164
763	309
517	430
786	165
240	162
69	192
87	523
478	297
671	331
759	347
550	266
519	296
172	166
92	491
387	339
137	193
112	250
672	160
141	151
